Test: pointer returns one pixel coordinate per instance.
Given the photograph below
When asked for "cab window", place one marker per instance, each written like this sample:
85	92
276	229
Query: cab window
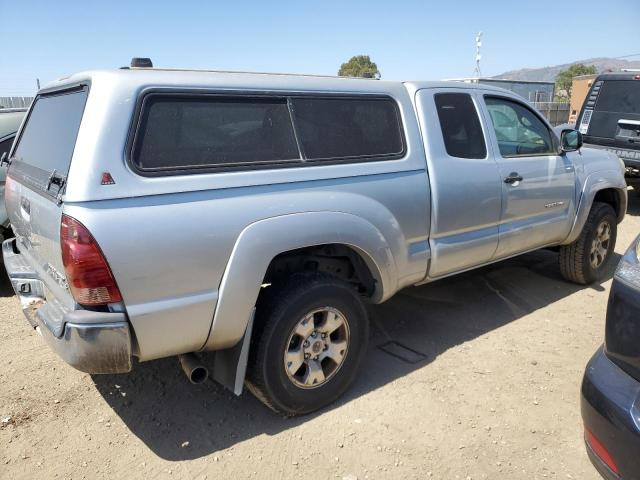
519	131
460	125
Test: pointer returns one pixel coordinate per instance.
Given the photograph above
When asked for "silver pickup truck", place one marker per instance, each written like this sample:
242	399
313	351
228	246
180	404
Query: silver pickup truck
253	216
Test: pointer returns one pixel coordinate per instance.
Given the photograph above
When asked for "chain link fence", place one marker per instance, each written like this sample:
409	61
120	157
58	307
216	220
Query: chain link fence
556	112
15	102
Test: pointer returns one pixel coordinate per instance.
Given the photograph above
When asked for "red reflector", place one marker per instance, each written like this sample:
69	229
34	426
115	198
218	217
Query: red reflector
600	450
107	179
637	77
88	274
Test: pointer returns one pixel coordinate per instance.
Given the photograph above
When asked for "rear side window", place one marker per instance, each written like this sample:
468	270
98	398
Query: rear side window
619	96
187	132
342	128
195	132
49	136
460	125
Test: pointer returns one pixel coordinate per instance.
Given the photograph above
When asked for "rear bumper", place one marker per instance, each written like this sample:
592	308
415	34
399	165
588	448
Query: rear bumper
611	411
631	158
92	342
601	467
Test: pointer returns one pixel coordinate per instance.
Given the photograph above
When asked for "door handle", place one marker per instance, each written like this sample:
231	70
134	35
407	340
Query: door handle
513	178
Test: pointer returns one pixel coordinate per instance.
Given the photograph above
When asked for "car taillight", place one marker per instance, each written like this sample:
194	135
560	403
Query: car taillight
601	451
88	274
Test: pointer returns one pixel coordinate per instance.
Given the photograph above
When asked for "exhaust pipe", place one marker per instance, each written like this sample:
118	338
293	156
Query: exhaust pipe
193	368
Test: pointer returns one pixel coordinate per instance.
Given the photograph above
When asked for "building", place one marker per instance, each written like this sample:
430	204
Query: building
539	94
579	89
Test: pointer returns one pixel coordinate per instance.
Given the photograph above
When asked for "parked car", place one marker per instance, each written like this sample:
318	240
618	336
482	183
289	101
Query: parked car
162	212
10	120
610	119
611	384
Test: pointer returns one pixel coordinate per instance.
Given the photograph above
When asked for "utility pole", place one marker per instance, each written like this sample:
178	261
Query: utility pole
477	71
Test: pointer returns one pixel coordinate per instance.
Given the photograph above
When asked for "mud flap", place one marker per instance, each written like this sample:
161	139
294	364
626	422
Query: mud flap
230	365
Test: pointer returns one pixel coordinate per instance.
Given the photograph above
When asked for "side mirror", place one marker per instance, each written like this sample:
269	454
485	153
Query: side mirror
570	140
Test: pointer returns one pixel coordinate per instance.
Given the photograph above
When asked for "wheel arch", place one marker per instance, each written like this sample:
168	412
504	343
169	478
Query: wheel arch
613	197
606	187
346	262
265	241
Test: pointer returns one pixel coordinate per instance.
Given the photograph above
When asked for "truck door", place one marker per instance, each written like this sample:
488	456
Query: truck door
465	181
538	184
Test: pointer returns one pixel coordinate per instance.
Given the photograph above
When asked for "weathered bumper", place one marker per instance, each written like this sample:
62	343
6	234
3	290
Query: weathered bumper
611	411
631	158
92	342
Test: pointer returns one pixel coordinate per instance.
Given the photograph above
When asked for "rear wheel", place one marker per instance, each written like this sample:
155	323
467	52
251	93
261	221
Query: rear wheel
586	259
310	339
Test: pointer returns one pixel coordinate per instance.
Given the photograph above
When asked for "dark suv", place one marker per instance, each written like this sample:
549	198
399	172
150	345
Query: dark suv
611	384
610	119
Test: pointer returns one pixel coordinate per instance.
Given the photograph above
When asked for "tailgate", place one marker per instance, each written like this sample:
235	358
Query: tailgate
615	118
37	175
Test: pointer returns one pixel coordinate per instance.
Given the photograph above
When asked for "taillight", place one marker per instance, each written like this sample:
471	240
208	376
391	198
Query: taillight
88	274
601	451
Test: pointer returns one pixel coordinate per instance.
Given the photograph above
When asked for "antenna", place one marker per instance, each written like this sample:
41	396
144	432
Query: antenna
477	71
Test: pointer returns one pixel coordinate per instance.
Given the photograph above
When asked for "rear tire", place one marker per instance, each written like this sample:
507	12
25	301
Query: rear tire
310	339
586	259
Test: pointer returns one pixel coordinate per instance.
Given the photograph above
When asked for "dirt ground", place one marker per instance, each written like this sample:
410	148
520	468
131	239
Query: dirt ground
489	389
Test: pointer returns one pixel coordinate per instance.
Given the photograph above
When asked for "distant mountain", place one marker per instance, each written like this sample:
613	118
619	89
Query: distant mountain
548	74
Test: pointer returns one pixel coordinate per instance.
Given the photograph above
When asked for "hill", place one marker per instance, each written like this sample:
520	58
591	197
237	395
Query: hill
548	74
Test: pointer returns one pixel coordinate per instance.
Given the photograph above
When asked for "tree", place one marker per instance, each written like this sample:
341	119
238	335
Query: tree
564	79
359	66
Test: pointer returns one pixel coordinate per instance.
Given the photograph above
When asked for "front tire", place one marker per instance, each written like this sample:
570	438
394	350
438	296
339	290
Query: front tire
311	337
586	259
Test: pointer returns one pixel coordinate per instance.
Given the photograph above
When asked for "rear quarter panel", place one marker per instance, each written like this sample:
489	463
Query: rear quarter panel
168	252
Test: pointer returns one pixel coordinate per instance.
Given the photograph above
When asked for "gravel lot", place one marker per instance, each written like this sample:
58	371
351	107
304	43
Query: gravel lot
491	390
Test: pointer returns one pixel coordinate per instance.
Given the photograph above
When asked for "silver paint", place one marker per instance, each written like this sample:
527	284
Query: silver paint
189	253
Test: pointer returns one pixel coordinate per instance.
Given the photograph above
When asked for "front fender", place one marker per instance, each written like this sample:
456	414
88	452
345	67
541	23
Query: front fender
595	182
262	241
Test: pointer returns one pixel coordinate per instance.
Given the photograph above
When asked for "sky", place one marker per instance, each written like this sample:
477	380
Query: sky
409	40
